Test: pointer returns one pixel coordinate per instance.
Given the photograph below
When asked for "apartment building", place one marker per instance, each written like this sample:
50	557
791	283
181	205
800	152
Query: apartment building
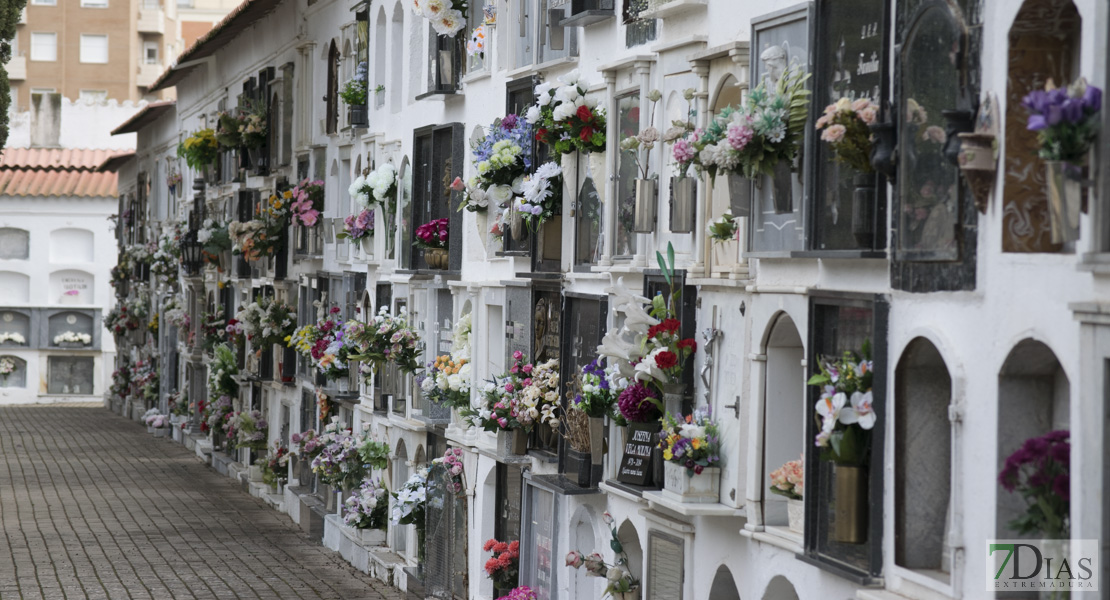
983	314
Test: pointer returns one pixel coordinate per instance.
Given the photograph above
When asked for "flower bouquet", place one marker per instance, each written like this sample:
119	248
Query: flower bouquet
565	119
503	568
178	403
357	227
448	17
215	240
157	420
387	338
354	91
693	442
447	381
7	367
325	343
167	255
502	159
409	500
1040	472
266	321
519	398
620	578
227	131
215	416
70	337
199	149
432	235
845	436
453	465
173	179
17	338
307	202
367	507
789	480
306	445
845	128
723	228
599	388
222	371
542	196
645	140
1065	119
213	330
378	186
682	134
275	465
252	126
248	429
262	236
520	593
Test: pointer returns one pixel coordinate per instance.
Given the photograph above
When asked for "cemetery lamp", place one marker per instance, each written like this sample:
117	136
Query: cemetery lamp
959	121
883	158
191	253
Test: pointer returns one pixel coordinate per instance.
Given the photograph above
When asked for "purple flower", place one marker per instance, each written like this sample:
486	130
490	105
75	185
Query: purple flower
1092	99
508	122
635	405
1061	487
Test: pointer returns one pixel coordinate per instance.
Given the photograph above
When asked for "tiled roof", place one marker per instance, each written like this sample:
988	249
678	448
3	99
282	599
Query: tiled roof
56	172
144	117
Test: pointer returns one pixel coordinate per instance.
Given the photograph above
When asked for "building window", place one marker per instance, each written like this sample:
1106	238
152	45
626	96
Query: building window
44	47
93	95
150	53
44	2
70	375
637	31
94	48
185	3
94	3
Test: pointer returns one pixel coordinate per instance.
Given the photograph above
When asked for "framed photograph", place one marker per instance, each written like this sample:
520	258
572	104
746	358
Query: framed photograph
781	40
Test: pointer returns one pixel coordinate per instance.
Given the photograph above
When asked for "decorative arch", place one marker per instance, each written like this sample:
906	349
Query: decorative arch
630	539
784	410
1034	398
1044	44
15	288
18	377
727	93
780	588
381	75
724	587
923	457
396	43
584	537
15	328
401	474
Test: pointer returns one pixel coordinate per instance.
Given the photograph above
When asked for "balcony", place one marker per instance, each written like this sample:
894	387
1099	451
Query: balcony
17	68
152	20
148	73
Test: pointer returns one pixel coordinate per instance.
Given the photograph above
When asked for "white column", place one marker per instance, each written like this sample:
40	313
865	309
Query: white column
701	69
612	147
643	243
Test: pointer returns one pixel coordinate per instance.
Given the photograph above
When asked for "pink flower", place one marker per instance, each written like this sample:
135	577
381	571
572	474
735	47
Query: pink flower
834	134
458	185
868	114
683	152
739	135
527	369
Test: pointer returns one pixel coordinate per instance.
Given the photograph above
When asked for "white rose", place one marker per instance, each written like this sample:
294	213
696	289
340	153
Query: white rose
544	100
499	194
543	88
571	78
533	115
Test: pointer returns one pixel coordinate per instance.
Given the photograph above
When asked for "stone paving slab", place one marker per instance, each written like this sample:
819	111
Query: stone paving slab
91	506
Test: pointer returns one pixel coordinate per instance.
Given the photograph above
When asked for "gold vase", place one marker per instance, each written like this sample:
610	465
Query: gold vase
849	505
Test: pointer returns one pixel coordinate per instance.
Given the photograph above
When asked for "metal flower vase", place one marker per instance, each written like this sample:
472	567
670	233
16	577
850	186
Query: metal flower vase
643	220
783	187
739	190
1065	198
684	204
520	441
850	500
673	393
597	440
437	258
863	209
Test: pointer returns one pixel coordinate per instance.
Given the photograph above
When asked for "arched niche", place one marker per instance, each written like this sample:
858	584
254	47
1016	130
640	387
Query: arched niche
15	288
724	197
784	410
15	244
630	540
15	328
420	458
780	588
68	322
724	587
71	286
71	245
582	585
728	93
381	77
404	198
1033	399
396	42
401	474
1044	44
18	377
923	457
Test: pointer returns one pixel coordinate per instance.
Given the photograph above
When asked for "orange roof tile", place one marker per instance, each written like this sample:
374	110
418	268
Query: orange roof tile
56	172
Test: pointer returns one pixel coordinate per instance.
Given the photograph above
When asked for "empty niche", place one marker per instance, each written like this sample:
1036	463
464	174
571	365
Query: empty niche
14	243
71	286
15	288
71	245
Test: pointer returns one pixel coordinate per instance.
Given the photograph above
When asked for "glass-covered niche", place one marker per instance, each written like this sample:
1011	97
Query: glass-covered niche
539	556
780	41
70	375
590	191
628	125
70	329
848	207
15	329
16	375
445	572
438	155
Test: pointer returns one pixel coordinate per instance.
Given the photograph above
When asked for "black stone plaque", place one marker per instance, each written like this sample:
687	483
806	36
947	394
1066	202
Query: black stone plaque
636	464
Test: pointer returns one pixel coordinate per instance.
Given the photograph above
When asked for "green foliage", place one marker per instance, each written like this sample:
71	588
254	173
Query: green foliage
9	18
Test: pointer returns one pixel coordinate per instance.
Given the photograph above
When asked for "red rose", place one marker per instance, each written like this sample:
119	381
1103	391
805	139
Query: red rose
541	133
666	359
584	113
688	343
586	133
670	325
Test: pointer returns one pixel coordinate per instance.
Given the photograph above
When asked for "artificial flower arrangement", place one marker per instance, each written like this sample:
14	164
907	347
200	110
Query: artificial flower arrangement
724	228
178	403
376	187
354	91
267	321
447	379
599	387
682	134
119	320
387	338
72	337
542	195
844	126
261	236
768	129
344	457
1040	471
221	373
619	577
408	508
213	330
7	367
121	379
366	508
215	416
519	399
503	568
789	480
14	337
145	379
645	140
155	419
432	235
476	45
167	254
357	227
215	240
253	126
248	429
173	179
307	202
448	17
845	436
502	159
453	466
140	254
565	119
693	442
275	465
1065	119
199	149
325	342
520	593
227	131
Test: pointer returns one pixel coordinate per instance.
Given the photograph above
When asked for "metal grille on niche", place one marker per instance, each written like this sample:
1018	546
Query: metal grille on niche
546	326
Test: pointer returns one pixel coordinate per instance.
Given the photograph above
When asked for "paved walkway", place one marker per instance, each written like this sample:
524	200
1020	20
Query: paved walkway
91	506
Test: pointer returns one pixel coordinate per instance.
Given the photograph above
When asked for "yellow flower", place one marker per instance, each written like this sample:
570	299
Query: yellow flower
667	455
696	443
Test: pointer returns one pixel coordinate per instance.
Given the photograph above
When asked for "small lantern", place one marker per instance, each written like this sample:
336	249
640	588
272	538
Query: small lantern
191	253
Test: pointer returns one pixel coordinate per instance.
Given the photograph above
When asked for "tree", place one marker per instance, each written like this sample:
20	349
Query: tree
9	18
